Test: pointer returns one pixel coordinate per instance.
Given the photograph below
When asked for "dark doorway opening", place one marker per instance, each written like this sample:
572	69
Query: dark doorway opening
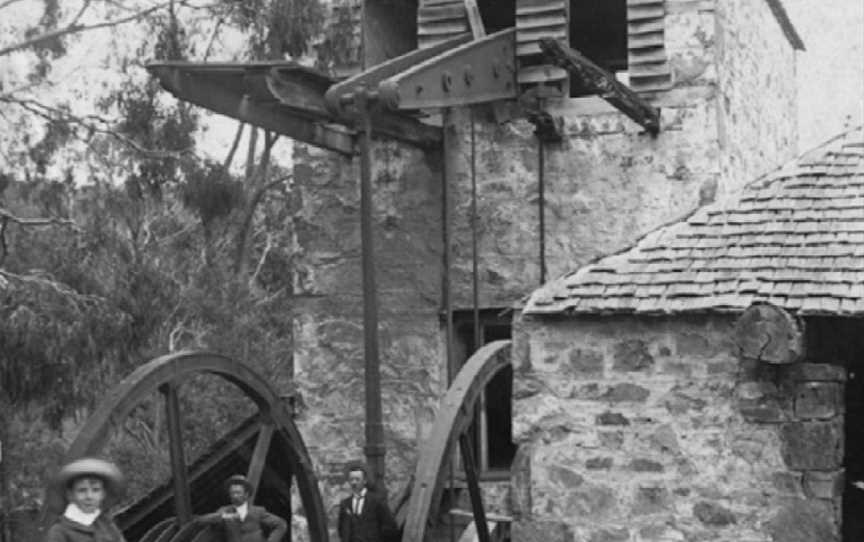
840	341
598	30
497	14
492	429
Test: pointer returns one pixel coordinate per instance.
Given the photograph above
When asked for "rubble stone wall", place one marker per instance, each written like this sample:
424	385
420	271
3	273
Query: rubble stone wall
757	92
651	429
328	323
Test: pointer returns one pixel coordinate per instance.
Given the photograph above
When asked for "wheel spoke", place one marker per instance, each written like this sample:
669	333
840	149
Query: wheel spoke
474	488
182	497
259	456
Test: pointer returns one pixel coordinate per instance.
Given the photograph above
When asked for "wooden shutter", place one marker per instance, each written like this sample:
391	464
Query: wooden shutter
440	20
647	64
537	19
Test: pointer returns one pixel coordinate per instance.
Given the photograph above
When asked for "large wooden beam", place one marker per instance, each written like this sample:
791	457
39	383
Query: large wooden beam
596	79
198	90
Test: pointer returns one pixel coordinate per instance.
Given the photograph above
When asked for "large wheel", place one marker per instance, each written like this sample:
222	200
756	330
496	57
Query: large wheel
451	424
166	375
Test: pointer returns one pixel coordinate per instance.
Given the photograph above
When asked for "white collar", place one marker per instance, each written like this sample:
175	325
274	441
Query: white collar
73	512
242	510
361	495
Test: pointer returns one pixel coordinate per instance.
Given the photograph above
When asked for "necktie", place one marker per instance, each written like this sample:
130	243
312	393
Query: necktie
358	505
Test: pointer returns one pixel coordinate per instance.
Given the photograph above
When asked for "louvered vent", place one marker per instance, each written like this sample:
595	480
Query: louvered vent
647	64
440	20
536	19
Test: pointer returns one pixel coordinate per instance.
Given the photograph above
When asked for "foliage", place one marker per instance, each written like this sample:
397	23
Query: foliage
119	241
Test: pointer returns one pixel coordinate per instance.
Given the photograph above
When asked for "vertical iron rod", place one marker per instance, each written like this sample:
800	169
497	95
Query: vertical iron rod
480	422
182	497
474	489
374	448
475	288
541	195
446	293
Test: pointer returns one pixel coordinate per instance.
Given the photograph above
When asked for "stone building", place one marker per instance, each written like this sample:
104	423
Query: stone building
638	418
721	74
465	230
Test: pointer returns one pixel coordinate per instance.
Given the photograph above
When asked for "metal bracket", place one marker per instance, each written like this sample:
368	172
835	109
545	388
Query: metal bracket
341	96
483	70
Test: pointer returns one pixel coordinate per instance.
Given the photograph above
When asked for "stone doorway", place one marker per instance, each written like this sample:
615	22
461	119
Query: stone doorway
840	341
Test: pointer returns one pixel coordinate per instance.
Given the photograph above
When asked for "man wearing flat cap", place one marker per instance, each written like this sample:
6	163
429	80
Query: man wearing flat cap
364	516
243	522
85	487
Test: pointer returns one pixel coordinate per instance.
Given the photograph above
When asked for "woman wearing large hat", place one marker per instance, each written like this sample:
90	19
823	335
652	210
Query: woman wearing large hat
86	486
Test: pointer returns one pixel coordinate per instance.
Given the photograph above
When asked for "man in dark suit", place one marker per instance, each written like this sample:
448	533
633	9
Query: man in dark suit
243	522
365	516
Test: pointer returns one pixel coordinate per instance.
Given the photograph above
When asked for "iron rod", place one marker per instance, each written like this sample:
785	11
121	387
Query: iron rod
182	497
541	196
474	489
374	448
446	293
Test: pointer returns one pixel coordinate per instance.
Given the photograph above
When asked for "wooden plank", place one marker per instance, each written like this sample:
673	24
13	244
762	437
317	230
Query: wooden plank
207	93
475	20
182	494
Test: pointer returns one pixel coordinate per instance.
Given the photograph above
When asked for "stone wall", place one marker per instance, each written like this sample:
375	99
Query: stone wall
757	101
652	430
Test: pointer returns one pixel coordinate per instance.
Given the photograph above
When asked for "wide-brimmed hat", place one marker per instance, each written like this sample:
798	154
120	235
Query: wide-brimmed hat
94	467
239	479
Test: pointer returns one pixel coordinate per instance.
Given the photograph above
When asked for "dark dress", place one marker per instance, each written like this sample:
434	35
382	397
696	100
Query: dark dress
102	530
259	525
375	522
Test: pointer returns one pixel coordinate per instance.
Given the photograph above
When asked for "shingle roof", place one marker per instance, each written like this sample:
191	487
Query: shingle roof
794	238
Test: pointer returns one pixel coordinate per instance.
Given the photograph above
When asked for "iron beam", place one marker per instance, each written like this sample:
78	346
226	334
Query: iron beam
483	70
340	97
374	448
600	81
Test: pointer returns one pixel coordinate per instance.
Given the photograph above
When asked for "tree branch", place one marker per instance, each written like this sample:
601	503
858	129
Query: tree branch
75	28
50	221
89	122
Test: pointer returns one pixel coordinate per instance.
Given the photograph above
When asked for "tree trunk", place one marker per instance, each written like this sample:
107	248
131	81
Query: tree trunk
256	181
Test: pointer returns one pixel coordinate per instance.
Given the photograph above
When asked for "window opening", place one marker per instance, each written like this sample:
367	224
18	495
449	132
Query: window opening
598	30
497	14
492	428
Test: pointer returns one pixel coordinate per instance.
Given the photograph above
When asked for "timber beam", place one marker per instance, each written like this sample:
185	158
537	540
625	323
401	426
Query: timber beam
600	81
286	99
206	92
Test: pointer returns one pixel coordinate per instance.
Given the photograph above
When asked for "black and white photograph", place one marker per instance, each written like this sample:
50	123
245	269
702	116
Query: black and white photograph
431	270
